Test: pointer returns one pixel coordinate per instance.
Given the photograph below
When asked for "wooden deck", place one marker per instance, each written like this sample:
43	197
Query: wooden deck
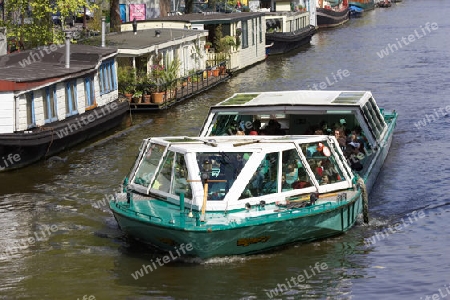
181	93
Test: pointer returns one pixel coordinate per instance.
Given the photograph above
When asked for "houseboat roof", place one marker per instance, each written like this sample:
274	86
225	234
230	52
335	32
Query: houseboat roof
49	62
149	37
209	18
302	97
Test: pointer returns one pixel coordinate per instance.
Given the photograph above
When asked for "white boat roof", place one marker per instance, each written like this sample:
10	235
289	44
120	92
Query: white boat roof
301	97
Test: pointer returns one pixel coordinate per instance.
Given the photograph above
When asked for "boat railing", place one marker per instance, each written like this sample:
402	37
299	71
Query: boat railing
137	213
304	209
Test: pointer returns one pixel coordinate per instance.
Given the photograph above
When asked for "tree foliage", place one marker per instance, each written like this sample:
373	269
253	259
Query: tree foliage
31	21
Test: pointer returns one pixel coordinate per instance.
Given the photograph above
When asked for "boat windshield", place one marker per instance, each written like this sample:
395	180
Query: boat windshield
148	165
323	164
172	176
221	170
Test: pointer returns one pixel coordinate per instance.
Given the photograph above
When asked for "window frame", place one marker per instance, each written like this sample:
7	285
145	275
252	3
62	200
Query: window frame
106	75
89	93
29	98
71	90
244	34
50	101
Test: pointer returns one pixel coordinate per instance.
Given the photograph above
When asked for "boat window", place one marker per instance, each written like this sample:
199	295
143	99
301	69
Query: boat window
180	183
149	164
163	179
323	163
221	169
230	124
265	179
294	174
274	25
368	113
377	114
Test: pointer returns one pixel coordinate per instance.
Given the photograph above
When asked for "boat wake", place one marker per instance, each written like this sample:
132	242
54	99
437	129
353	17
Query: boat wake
224	260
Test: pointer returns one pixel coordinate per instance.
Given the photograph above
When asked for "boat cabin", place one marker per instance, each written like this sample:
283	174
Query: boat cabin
227	172
354	118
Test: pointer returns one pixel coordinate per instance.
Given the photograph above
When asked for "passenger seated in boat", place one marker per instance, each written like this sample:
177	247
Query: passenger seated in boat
340	137
291	174
284	185
330	171
256	183
358	138
273	128
255	130
301	183
324	180
351	153
318	171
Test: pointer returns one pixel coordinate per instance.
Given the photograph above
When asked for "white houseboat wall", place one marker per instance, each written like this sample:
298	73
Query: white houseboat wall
48	103
249	27
143	49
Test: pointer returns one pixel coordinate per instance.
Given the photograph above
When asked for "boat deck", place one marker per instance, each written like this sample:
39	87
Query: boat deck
182	93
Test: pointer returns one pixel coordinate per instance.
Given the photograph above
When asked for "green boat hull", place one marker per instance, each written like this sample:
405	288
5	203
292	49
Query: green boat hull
251	236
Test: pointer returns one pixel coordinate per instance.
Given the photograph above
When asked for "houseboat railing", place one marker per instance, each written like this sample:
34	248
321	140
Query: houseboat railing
180	88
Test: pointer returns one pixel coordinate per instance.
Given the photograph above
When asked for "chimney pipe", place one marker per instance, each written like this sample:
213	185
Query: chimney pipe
67	49
103	31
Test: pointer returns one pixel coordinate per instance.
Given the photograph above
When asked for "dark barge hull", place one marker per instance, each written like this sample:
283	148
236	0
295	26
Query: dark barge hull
283	42
23	148
331	18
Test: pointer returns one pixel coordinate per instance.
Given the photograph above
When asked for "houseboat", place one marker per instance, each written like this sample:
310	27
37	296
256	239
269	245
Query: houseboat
54	97
286	31
363	130
332	13
233	195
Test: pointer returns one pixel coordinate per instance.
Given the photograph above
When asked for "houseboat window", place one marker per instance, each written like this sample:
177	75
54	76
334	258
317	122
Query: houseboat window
89	94
163	180
180	183
253	32
294	175
244	34
221	166
265	179
260	30
71	98
273	25
50	104
149	164
31	121
323	163
107	77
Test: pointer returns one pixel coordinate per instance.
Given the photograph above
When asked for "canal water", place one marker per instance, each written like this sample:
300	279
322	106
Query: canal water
62	242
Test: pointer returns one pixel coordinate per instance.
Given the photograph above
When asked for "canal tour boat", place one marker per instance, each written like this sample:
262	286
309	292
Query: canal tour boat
365	131
232	195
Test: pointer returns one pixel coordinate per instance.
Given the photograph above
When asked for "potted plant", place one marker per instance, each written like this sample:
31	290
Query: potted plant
137	97
126	77
215	72
208	45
